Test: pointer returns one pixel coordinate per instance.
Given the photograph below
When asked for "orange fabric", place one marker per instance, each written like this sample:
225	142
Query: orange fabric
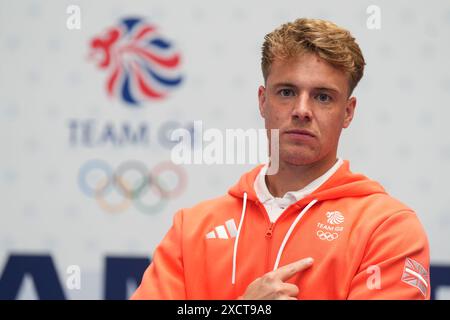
376	236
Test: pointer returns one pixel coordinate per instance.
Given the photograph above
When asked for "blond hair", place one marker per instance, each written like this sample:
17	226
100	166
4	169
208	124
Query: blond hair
329	41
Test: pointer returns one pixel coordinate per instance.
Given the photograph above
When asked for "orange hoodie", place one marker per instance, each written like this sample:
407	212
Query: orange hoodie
365	245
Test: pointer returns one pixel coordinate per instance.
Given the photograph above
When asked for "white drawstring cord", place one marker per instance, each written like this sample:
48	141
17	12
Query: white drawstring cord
244	206
288	234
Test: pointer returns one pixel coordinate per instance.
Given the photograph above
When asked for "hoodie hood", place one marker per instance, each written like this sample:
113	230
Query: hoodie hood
343	183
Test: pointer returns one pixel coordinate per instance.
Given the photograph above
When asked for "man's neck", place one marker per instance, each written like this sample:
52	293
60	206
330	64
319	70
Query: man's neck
294	177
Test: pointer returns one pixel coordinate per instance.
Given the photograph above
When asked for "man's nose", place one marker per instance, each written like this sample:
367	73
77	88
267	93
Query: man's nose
302	107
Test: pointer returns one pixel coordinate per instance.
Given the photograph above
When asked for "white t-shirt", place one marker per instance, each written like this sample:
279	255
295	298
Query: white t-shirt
275	206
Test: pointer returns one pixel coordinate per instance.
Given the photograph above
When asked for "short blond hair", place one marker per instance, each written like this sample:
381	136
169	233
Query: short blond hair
329	41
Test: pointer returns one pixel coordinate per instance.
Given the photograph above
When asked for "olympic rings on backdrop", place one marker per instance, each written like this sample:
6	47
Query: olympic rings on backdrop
327	235
132	192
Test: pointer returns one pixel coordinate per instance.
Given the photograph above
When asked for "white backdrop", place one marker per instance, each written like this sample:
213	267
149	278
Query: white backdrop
48	85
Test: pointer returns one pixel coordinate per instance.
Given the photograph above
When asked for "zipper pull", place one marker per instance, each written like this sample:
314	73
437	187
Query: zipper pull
269	231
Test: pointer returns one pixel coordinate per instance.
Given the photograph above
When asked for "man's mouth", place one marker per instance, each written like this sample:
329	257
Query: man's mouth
300	132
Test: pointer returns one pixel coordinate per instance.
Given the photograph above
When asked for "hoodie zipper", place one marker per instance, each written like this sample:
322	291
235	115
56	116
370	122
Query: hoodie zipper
270	231
268	236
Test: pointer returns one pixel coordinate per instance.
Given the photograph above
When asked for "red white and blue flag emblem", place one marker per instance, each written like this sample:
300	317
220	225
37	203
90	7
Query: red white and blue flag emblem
416	275
142	65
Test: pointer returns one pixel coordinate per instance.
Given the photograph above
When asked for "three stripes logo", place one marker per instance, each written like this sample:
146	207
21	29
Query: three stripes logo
227	231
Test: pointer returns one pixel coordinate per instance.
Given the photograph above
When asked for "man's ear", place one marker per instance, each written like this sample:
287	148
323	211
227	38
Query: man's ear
349	111
262	100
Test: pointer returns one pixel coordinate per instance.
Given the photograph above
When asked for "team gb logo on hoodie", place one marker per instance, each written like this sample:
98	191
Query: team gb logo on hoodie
331	230
335	217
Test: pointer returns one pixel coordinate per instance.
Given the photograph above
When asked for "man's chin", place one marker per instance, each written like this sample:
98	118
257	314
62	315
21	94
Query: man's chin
298	158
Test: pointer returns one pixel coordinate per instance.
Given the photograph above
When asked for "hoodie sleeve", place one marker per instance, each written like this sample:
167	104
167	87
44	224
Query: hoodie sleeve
396	262
164	278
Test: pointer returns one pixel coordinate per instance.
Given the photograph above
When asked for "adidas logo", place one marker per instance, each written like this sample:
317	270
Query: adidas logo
220	232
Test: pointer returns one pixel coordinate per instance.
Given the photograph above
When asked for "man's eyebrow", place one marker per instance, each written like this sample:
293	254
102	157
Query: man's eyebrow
291	85
327	89
284	84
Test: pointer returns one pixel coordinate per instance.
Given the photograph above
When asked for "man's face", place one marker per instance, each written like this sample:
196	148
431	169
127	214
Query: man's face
307	100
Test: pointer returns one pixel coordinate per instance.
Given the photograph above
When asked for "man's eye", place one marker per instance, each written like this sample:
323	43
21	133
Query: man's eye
322	97
286	92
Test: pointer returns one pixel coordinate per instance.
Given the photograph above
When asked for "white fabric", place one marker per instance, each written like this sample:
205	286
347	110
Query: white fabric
236	241
276	206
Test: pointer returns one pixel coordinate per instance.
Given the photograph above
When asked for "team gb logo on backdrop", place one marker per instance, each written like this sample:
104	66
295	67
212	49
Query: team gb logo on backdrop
142	65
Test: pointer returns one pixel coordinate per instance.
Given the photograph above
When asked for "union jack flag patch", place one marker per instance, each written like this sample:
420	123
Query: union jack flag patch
415	275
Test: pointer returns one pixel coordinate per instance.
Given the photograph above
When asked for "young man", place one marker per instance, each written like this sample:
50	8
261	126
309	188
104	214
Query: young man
313	230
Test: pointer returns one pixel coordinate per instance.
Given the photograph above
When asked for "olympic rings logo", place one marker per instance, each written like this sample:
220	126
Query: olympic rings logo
327	235
97	179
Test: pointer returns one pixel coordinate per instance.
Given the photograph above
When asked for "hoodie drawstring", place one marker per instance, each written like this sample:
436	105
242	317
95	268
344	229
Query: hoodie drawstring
288	234
244	207
283	244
